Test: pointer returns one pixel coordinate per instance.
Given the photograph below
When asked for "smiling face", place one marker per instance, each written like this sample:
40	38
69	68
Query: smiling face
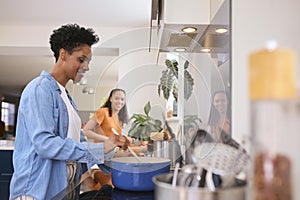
77	63
117	100
220	102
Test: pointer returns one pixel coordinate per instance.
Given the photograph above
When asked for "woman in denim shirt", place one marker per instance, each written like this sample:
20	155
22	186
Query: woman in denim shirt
48	154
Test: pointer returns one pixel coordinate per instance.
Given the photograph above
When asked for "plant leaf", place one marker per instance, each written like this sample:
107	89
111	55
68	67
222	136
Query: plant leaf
186	64
147	108
174	68
166	83
143	125
159	89
138	117
191	121
134	130
175	92
188	85
168	63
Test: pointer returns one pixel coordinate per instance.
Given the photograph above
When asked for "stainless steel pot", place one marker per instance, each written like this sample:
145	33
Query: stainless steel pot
167	149
164	190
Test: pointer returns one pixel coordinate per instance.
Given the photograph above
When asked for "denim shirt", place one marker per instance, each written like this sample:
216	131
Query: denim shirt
42	147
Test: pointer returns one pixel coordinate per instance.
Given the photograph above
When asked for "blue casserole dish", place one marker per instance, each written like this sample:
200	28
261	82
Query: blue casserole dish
130	174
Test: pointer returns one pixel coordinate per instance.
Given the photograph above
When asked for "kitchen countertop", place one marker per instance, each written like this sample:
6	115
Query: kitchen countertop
107	192
7	145
118	194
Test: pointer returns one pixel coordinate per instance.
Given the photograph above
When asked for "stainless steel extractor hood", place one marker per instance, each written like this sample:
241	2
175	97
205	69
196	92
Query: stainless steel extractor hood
174	15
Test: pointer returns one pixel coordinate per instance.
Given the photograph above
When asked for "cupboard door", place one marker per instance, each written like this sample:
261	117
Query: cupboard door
6	171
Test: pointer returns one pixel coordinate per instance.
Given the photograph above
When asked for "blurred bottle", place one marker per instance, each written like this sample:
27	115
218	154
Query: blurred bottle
272	90
175	108
169	113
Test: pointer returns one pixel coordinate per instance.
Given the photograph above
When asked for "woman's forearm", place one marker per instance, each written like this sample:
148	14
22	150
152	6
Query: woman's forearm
95	136
89	131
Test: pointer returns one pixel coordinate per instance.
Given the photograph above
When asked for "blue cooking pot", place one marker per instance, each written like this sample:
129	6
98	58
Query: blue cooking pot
130	174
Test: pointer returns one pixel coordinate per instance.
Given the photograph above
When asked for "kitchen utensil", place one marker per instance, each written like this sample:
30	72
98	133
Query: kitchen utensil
129	148
191	176
164	190
223	162
189	168
128	174
189	180
203	178
220	158
174	181
209	181
134	154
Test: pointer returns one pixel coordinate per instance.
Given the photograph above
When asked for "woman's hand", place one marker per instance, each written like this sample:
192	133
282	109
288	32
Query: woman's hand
123	154
114	141
224	124
123	142
130	139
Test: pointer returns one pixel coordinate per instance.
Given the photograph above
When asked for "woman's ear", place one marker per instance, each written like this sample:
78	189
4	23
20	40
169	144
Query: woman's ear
62	54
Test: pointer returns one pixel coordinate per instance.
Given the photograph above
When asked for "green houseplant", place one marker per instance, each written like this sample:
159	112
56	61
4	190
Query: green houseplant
191	121
143	124
169	80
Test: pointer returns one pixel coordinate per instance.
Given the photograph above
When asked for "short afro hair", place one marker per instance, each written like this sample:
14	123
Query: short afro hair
71	36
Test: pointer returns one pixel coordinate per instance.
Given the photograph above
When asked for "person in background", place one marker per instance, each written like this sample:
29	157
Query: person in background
112	114
48	155
219	119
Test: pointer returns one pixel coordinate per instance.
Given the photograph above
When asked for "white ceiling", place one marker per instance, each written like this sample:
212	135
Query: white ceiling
91	12
22	60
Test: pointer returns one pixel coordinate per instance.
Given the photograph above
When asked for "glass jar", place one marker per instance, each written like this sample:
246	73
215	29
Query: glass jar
272	94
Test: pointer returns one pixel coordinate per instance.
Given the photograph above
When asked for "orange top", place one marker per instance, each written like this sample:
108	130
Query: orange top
106	123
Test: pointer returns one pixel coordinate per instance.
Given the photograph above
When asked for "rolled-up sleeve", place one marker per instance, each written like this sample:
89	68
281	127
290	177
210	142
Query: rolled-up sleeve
97	152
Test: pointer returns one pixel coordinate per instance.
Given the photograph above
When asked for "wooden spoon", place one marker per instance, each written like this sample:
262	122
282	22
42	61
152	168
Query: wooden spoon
129	148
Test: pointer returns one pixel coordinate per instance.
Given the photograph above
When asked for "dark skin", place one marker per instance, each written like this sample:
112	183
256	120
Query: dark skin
72	66
120	141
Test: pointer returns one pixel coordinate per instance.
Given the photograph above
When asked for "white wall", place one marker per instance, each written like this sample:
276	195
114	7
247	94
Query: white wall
39	35
200	68
254	22
140	81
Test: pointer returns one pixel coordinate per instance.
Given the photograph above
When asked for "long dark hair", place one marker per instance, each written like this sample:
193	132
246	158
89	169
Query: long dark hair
123	113
214	113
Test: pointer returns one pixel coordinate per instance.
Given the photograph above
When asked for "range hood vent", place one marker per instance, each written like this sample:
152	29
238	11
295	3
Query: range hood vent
177	14
214	40
181	39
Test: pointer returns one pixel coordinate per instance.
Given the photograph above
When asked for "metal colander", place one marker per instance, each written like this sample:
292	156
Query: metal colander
220	158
